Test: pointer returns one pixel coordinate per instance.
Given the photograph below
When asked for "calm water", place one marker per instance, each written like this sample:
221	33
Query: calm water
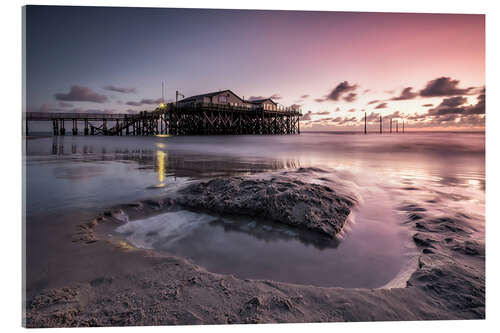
443	172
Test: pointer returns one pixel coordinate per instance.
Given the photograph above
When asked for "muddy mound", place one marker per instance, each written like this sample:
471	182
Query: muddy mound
284	198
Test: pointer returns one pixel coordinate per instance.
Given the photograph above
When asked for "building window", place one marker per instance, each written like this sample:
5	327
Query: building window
222	99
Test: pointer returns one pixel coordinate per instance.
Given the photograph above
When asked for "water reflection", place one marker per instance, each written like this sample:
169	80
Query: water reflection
270	232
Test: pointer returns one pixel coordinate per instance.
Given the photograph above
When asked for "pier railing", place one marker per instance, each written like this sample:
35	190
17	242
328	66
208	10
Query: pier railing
232	108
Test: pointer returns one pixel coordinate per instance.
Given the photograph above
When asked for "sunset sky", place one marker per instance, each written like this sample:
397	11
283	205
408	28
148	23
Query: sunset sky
427	68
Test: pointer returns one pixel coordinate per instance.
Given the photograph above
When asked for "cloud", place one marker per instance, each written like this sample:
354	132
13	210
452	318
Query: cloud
273	96
444	86
337	109
120	90
449	106
352	110
454	112
351	97
296	106
81	94
427	105
366	91
145	101
407	93
373	117
307	116
304	96
373	102
381	106
321	113
319	100
65	105
341	89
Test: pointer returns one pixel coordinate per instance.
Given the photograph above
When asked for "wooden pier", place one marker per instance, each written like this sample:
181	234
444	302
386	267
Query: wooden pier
172	119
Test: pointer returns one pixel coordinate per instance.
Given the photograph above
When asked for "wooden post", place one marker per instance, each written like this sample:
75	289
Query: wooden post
63	130
397	124
391	126
365	122
403	126
298	124
75	127
380	124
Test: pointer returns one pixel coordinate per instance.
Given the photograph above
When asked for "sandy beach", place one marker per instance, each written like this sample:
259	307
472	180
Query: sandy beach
82	272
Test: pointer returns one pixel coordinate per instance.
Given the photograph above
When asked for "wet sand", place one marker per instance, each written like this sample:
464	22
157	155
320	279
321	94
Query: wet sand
79	272
101	280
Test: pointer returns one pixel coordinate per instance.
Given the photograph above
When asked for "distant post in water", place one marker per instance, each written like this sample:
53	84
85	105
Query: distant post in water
397	126
391	126
365	122
380	124
403	125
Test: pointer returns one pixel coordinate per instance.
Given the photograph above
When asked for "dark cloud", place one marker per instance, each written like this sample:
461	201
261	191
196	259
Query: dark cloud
81	94
479	108
341	89
407	93
351	97
352	110
120	90
381	106
373	102
319	100
452	112
304	96
276	97
145	101
449	106
366	91
444	86
337	109
427	105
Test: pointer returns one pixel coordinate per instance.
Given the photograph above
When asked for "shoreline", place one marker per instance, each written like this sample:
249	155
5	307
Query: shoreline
157	288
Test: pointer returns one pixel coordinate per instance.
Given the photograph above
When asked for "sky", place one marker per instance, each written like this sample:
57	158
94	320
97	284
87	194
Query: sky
427	70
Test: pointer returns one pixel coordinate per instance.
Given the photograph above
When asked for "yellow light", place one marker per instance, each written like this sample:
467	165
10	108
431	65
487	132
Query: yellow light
160	156
162	105
162	135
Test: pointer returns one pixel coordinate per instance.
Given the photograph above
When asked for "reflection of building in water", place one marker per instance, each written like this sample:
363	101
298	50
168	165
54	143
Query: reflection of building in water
173	163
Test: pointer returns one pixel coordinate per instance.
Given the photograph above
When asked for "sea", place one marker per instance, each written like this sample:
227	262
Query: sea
67	178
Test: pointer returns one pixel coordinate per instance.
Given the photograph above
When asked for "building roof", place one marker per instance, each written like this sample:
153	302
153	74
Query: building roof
208	95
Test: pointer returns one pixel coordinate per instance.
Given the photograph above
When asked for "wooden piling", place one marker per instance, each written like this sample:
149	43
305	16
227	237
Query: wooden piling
365	122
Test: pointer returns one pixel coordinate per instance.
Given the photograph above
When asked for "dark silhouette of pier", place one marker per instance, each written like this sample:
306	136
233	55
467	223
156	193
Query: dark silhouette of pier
173	119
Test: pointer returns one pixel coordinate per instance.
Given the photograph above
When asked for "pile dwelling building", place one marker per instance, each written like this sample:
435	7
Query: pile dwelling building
216	113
